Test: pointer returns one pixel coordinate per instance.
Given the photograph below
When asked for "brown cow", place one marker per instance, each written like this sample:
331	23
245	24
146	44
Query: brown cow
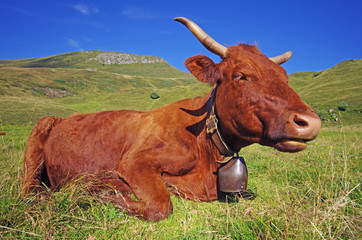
143	152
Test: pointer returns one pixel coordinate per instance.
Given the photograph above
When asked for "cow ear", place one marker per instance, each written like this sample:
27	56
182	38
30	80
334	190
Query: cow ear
203	68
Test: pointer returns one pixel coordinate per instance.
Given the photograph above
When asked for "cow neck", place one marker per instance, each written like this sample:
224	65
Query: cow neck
213	131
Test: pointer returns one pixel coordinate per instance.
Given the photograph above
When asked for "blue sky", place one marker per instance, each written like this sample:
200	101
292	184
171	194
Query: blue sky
320	33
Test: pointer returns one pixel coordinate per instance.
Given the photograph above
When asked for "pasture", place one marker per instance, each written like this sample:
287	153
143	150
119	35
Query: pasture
313	194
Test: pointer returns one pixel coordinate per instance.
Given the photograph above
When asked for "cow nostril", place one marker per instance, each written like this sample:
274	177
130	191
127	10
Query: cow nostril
300	121
304	126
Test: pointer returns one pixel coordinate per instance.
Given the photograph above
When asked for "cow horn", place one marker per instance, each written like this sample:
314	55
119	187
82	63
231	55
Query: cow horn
209	43
282	58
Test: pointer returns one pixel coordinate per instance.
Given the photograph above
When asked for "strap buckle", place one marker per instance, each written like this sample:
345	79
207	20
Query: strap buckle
211	124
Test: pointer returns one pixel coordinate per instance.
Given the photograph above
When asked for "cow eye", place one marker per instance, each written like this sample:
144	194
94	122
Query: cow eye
238	76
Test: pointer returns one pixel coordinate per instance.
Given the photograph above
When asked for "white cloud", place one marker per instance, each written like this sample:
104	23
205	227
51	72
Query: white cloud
87	39
85	9
73	43
137	12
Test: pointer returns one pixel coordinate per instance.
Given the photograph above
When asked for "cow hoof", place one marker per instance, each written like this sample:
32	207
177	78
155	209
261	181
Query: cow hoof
35	199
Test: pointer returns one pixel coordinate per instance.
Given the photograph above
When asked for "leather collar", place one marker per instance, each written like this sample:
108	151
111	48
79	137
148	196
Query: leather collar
212	129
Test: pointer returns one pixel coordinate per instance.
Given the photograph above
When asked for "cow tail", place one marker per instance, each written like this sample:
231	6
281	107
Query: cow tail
34	158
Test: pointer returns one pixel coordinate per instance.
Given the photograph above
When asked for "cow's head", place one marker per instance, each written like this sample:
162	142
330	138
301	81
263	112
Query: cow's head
254	102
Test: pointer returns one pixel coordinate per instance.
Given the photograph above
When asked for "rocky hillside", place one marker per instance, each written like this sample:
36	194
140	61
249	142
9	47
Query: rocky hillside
124	58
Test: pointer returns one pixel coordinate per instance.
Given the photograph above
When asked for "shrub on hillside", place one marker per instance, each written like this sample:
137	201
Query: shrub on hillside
322	114
316	74
343	106
154	95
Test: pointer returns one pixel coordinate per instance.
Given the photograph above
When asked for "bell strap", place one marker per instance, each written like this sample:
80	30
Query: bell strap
212	130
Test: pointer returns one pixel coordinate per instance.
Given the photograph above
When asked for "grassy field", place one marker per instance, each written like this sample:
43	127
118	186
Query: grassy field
314	194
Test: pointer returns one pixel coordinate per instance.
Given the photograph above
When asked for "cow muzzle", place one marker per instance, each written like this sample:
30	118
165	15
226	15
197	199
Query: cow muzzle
299	129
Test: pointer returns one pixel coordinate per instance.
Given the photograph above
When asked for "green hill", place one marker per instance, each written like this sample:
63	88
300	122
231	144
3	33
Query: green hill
88	82
115	62
327	89
91	81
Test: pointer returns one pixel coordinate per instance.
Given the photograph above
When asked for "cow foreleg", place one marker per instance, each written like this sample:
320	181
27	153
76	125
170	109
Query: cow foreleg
154	201
104	181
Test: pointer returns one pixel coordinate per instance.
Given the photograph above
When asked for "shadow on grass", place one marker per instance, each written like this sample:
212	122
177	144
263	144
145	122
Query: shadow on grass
234	197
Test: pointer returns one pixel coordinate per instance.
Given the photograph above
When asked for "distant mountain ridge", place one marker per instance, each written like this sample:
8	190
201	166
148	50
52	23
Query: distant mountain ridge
100	60
103	57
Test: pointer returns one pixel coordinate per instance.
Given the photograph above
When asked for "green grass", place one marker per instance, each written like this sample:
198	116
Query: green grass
313	194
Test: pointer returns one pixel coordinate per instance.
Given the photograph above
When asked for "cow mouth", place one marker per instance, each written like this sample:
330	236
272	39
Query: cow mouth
290	145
